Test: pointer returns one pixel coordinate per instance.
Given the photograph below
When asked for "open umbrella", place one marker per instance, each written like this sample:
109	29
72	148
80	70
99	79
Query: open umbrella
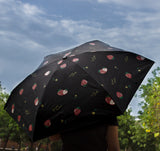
77	88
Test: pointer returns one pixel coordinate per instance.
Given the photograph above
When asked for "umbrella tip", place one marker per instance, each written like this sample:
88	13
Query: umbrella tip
95	40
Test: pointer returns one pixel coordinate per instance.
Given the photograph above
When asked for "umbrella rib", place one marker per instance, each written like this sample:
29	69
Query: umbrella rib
94	79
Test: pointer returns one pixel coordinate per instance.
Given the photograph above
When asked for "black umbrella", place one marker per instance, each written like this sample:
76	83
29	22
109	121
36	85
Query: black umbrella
76	88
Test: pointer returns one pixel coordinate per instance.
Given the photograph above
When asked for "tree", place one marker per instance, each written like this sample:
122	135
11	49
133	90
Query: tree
141	139
4	124
150	114
127	129
18	135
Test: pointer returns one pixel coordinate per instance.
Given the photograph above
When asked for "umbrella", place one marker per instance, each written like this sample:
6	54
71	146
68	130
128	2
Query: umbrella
76	88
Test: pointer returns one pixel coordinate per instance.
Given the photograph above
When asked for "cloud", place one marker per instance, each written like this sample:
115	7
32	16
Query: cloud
27	34
24	8
154	4
28	26
31	9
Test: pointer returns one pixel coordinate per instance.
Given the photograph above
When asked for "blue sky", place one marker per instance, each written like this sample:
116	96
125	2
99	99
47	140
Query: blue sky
32	29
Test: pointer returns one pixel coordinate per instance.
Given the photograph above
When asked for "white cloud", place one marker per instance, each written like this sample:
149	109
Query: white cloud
27	34
151	4
18	7
39	31
31	9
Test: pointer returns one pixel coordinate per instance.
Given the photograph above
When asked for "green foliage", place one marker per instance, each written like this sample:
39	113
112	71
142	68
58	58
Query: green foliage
127	130
144	140
150	116
133	135
4	124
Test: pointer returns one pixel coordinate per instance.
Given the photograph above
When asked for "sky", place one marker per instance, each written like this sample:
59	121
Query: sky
33	29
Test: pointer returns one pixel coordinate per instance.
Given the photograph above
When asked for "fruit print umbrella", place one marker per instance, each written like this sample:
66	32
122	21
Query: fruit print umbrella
76	88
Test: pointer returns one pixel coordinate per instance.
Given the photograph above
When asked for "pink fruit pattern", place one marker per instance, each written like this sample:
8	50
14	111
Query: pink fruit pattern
67	54
109	100
63	66
19	118
140	58
75	59
34	86
92	44
83	83
77	111
47	73
13	108
36	101
45	63
59	62
72	55
47	123
110	57
30	128
62	92
103	70
128	75
21	91
119	95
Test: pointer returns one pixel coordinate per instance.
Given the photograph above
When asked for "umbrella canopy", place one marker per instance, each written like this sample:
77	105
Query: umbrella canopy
76	88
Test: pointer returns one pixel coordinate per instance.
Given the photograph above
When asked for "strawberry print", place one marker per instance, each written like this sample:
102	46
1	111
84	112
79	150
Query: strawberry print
72	55
47	123
67	54
45	63
47	73
34	86
77	111
30	128
140	58
84	83
36	101
19	118
109	100
103	70
119	95
62	92
59	62
13	108
75	59
63	66
128	75
21	91
110	57
92	44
